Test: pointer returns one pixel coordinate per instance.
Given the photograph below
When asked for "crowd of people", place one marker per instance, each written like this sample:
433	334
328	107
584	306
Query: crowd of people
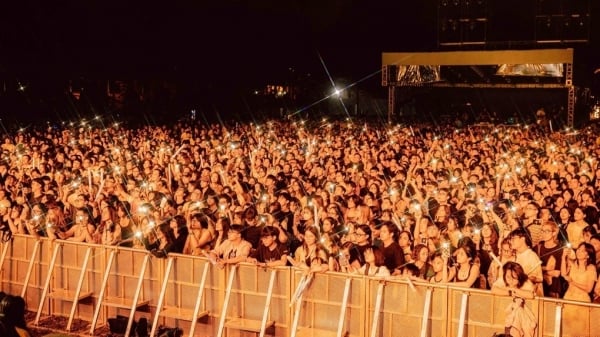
436	204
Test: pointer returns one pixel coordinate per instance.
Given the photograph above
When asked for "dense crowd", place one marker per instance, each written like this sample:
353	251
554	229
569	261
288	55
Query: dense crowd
418	202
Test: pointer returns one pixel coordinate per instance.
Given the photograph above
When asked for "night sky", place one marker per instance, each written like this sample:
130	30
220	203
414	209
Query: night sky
228	43
213	39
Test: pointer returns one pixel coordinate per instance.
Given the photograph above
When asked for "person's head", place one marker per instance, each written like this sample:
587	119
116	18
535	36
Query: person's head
549	231
362	234
165	232
329	224
388	231
374	256
433	231
565	215
404	239
421	253
123	208
507	253
578	214
222	225
108	213
5	206
595	242
12	310
520	239
269	235
465	252
513	274
531	210
437	261
489	231
177	222
311	235
586	252
588	232
199	220
467	230
81	216
235	232
410	269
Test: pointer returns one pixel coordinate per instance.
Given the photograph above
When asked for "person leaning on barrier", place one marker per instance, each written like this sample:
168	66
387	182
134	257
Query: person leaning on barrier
519	320
159	241
270	252
374	264
311	255
200	236
81	230
232	251
393	254
466	270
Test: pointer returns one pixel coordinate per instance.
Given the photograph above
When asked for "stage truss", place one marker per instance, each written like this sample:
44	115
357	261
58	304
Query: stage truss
391	61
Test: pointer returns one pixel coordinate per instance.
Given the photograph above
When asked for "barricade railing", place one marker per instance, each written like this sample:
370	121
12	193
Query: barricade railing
416	309
202	299
68	285
192	289
258	301
115	285
331	304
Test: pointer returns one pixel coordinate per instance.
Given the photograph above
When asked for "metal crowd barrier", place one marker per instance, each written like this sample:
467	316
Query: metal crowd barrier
93	283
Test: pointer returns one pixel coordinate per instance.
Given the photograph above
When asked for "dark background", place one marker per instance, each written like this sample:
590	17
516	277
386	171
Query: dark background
215	52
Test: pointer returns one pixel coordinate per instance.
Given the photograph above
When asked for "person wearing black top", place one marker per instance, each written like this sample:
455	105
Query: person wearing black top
270	252
392	253
180	231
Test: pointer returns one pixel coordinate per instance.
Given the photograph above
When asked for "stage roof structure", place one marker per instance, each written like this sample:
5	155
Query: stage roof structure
394	65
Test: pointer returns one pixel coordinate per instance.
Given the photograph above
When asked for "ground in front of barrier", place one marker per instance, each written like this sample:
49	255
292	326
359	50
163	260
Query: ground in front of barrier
54	326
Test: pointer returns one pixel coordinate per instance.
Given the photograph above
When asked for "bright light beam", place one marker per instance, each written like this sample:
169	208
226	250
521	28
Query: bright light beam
337	90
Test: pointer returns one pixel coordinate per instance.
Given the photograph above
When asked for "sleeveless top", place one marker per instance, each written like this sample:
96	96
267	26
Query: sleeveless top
458	279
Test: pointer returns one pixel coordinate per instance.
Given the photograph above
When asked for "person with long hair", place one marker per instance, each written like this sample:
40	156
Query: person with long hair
420	259
374	264
486	240
575	227
200	237
406	244
329	238
578	268
354	212
439	266
180	232
221	228
126	224
520	320
466	271
159	241
311	255
108	231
